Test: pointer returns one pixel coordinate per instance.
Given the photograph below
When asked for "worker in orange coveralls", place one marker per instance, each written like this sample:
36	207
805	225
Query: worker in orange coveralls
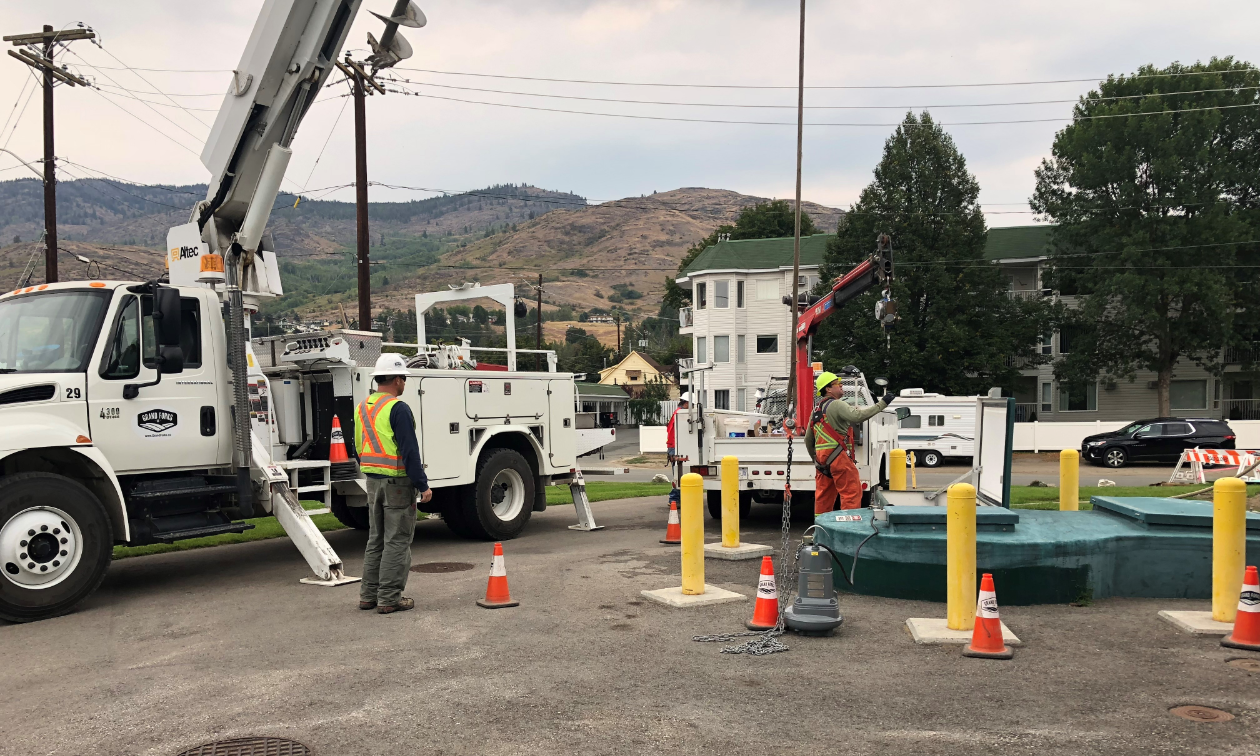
830	443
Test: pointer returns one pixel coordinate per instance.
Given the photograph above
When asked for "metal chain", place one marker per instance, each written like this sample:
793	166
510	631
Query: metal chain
765	642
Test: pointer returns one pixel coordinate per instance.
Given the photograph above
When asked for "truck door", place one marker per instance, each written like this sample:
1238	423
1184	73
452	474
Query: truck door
443	433
175	424
562	437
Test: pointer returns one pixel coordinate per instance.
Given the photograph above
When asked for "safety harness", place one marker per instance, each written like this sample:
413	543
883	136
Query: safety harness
827	437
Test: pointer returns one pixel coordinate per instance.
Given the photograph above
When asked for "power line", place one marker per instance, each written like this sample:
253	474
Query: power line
146	81
137	99
816	107
170	70
789	123
851	86
101	94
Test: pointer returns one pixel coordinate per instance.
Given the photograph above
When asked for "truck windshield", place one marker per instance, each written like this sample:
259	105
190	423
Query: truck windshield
52	332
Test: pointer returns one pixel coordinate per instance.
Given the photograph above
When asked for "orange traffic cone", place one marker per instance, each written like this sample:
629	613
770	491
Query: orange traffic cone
497	595
986	638
343	467
766	612
1246	633
673	528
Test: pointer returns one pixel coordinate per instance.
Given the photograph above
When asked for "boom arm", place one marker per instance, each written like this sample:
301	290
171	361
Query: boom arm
877	267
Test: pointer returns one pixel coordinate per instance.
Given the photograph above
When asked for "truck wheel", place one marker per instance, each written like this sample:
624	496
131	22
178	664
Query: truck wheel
55	545
930	458
351	517
498	505
713	500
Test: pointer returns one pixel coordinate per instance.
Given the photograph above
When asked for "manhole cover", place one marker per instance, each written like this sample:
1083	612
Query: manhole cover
442	567
249	747
1201	713
1249	664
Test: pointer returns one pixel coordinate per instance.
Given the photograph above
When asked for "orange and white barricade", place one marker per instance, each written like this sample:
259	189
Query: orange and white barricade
1190	467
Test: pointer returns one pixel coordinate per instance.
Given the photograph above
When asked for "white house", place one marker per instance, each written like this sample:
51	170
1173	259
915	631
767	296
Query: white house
737	320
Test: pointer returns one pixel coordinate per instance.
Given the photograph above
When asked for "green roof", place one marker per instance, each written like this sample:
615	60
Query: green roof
1017	242
600	389
759	254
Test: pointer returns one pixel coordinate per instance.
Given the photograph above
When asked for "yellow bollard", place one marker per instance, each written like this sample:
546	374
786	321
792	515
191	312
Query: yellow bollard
1229	546
897	470
730	502
960	554
914	482
692	535
1069	480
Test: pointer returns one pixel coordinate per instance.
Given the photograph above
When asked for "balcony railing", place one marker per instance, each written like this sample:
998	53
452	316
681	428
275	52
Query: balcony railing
1024	413
1241	409
1027	293
685	318
1244	353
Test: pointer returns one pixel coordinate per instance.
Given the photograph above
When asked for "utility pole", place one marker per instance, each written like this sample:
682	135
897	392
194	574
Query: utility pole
42	60
538	334
795	392
617	320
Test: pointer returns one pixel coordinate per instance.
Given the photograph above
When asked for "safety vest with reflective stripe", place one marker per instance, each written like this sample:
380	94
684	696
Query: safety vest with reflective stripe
374	436
826	437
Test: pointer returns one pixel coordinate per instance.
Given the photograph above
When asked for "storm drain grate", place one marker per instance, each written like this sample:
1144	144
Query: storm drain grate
1247	663
1197	713
442	567
249	747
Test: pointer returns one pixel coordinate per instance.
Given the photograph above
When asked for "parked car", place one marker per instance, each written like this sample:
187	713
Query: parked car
1161	439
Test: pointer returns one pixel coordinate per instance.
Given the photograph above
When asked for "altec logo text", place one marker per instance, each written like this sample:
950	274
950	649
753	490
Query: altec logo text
183	253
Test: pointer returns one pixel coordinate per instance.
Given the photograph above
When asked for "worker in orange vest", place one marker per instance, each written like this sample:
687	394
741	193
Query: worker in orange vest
830	443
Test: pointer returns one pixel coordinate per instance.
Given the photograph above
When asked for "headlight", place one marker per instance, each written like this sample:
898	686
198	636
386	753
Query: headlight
1095	443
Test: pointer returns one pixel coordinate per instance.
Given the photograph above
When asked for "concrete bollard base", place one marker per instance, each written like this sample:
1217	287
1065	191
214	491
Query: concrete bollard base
676	598
935	631
741	552
1196	623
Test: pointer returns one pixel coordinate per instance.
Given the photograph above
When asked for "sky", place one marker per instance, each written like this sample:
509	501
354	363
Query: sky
903	55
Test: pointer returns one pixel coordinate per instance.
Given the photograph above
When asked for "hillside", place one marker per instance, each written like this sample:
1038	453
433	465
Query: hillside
616	254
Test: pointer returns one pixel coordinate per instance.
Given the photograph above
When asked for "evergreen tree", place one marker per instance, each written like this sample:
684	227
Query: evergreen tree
958	329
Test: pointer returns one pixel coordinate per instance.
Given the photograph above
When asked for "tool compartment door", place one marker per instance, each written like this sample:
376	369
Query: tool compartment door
443	429
505	400
561	445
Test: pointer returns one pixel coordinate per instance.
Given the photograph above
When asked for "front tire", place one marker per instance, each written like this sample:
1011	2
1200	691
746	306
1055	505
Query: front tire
55	545
1115	458
498	505
351	517
713	501
931	458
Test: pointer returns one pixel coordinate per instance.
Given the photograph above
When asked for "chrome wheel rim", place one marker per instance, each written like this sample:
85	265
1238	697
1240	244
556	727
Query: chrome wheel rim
507	494
39	547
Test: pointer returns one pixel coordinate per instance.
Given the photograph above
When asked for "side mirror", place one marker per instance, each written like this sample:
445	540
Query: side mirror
166	317
902	413
171	359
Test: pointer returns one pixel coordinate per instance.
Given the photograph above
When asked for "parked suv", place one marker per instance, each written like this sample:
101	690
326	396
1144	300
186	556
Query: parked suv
1159	440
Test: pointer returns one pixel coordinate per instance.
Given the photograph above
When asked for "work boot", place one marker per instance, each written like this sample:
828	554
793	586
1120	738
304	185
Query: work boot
403	605
366	605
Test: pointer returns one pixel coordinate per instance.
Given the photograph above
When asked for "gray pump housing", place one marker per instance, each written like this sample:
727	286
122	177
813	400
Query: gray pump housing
815	610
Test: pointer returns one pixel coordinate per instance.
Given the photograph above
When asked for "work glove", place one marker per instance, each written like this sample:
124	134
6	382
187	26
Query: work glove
888	397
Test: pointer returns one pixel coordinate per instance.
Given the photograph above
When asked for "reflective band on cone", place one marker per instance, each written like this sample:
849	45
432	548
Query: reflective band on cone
673	527
1246	634
497	595
766	612
986	636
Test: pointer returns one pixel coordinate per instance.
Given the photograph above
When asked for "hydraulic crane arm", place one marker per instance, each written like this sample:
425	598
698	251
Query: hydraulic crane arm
876	268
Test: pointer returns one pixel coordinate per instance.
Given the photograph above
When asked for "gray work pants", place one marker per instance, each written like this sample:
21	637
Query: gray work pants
391	526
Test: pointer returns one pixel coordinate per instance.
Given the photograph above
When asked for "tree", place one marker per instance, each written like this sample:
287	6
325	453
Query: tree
481	315
764	220
958	330
1151	210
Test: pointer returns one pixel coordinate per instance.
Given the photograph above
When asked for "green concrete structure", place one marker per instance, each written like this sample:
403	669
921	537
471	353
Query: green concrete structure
1140	547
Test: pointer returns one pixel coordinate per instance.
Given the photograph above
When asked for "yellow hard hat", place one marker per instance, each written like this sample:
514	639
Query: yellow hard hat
824	380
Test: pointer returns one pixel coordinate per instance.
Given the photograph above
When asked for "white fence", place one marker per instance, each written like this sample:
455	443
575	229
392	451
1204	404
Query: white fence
651	439
1039	437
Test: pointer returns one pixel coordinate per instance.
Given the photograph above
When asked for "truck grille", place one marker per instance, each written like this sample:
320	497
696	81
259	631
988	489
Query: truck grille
29	394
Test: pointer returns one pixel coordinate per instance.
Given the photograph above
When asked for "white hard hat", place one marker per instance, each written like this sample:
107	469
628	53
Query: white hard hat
389	365
686	397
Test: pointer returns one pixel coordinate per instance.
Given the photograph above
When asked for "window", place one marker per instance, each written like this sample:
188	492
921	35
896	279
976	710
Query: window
1047	347
722	399
721	294
767	345
1047	403
1078	397
702	291
1177	429
123	360
739	294
1148	431
50	332
913	421
721	348
741	400
1073	339
741	349
634	375
936	421
1187	395
767	290
702	350
190	332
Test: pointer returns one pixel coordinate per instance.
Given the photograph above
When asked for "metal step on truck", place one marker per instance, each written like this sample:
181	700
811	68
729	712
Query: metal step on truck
139	412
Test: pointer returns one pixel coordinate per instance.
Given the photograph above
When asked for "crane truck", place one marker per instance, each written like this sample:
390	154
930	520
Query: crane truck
759	439
139	412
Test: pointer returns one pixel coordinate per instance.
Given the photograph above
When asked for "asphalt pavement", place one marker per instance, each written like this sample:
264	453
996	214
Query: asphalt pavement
179	649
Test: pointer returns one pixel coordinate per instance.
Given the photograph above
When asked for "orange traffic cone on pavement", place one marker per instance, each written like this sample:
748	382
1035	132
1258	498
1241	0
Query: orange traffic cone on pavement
766	611
497	595
673	528
1246	633
986	638
342	466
